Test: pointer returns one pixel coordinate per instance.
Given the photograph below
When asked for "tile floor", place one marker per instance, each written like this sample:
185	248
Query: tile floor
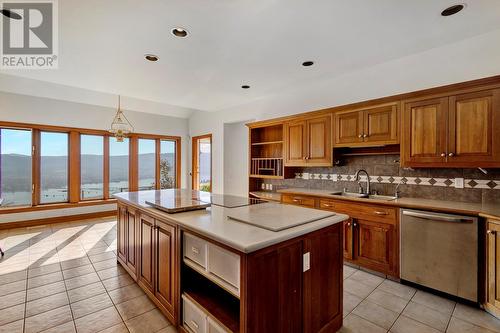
65	278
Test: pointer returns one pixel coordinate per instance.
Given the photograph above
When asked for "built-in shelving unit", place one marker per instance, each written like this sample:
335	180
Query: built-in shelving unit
266	154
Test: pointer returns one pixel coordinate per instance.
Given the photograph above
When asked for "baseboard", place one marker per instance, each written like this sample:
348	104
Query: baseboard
58	219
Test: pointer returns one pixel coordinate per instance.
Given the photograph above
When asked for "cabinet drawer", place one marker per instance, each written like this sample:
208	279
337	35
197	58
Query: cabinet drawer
195	249
224	265
193	317
361	210
298	200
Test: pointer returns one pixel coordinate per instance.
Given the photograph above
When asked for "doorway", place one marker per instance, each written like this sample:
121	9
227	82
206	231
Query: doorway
202	163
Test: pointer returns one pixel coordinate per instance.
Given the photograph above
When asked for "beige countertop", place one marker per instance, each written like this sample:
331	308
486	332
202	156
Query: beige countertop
466	208
215	224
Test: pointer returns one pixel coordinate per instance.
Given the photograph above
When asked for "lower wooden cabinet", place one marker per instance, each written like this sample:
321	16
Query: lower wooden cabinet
370	236
127	239
296	286
493	267
146	248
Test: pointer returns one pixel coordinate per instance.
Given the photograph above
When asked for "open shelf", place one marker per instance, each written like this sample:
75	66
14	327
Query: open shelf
217	302
267	143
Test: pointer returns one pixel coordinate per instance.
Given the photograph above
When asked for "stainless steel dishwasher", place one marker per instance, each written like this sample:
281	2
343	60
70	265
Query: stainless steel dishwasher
440	251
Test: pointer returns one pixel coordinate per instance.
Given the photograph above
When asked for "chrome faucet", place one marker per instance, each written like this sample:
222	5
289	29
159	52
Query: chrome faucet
356	178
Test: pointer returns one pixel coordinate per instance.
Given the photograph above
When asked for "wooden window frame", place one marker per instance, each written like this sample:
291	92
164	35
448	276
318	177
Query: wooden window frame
105	168
194	160
74	165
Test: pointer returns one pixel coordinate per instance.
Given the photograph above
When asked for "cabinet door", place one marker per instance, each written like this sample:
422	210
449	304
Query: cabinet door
348	240
323	281
381	125
493	268
122	234
165	265
348	128
319	141
474	122
146	239
424	132
376	245
132	248
295	141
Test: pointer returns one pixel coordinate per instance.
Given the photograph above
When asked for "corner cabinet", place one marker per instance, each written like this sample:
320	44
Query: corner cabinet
367	127
452	131
493	267
308	141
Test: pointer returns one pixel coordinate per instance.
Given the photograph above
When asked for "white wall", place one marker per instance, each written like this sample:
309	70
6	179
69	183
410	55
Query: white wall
236	158
39	110
469	59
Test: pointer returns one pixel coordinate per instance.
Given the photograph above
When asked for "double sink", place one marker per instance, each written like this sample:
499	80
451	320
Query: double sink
364	196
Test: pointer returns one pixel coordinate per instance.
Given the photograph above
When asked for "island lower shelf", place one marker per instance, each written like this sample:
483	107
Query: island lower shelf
203	286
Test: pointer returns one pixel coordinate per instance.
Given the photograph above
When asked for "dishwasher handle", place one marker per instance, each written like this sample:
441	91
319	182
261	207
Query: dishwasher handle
438	217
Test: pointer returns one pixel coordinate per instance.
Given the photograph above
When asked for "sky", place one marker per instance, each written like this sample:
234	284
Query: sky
56	144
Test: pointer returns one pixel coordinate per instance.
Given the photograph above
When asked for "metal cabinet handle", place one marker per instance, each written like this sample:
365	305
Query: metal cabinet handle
443	154
491	232
354	224
195	324
451	154
381	213
348	224
327	205
365	135
307	157
360	136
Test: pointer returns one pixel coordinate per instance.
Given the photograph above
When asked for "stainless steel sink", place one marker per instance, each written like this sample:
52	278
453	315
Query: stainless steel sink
364	196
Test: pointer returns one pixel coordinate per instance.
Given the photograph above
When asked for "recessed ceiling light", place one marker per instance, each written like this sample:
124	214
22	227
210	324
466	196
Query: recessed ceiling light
307	63
179	32
10	14
151	57
245	86
452	10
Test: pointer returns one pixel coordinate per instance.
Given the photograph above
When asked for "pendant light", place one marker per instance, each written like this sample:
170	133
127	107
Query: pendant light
120	127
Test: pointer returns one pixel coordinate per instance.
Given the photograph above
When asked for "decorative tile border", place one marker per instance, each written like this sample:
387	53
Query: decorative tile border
421	181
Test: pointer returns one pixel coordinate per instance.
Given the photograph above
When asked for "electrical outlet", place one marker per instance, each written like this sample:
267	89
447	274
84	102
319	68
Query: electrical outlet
306	262
271	187
459	183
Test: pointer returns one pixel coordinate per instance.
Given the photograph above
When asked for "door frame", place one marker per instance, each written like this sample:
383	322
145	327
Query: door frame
194	160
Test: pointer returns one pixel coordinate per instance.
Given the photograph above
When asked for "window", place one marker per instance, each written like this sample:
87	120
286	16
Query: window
42	164
92	167
53	167
202	163
168	164
147	164
118	165
15	167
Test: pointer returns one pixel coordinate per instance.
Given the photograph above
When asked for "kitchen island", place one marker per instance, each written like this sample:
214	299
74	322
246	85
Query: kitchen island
256	267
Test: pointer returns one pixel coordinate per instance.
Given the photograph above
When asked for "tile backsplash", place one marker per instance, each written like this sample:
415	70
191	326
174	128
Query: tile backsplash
385	174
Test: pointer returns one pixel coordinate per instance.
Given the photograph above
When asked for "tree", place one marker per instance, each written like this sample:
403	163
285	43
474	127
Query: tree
166	180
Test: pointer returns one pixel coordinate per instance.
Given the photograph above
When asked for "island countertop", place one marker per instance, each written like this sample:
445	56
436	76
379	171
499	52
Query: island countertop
215	224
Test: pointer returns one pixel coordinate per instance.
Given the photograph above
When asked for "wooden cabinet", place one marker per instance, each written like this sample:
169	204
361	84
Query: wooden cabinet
375	245
121	231
493	267
288	296
371	235
146	251
348	241
127	239
452	131
308	142
165	273
367	127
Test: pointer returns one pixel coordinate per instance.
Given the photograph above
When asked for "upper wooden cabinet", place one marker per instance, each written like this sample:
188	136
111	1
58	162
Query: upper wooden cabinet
452	131
308	142
367	127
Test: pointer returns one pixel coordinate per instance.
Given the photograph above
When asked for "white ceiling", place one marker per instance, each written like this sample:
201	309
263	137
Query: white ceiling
233	42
